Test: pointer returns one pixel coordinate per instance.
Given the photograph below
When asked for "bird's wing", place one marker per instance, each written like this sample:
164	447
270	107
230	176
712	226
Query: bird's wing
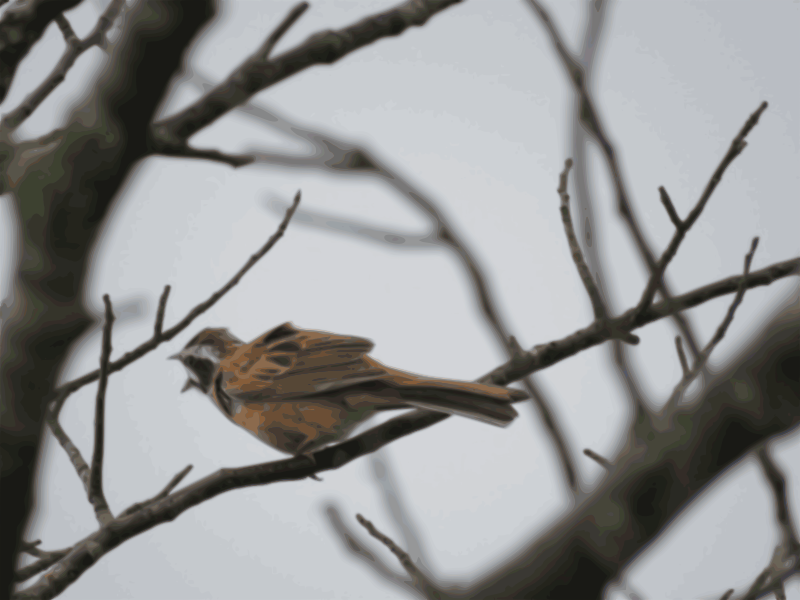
287	363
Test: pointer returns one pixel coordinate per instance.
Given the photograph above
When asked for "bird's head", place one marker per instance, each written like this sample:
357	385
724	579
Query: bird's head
202	355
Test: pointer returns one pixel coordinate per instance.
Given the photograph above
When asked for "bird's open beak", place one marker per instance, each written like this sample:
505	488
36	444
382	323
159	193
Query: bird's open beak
177	356
187	386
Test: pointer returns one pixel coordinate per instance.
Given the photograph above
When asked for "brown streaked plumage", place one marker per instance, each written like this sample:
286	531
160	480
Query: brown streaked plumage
299	390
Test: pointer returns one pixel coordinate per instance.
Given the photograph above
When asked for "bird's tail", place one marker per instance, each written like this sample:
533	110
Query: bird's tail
487	403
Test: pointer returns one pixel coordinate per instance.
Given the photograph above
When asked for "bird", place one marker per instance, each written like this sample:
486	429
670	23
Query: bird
300	390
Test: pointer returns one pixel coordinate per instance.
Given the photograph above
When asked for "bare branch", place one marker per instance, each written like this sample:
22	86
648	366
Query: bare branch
68	388
75	457
667	202
393	498
356	547
21	26
601	460
96	495
681	355
289	20
46	560
183	150
786	558
777	482
544	355
577	255
421	582
75	48
30	547
257	73
173	483
702	358
66	30
736	147
727	594
162	307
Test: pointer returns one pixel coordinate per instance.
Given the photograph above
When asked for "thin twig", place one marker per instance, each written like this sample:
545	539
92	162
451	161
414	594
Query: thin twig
577	254
162	307
600	312
96	495
75	48
184	150
30	547
393	498
421	581
777	481
737	145
289	20
681	355
75	457
702	358
173	483
670	208
358	548
727	594
601	460
256	74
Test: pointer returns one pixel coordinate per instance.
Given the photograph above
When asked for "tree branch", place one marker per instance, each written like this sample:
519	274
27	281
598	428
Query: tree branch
20	28
96	496
258	73
421	581
737	145
545	355
75	47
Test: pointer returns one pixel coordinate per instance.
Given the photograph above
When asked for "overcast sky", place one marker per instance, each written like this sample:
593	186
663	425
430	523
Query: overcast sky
474	109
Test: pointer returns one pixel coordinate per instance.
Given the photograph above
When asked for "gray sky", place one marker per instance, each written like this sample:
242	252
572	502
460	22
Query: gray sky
474	109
